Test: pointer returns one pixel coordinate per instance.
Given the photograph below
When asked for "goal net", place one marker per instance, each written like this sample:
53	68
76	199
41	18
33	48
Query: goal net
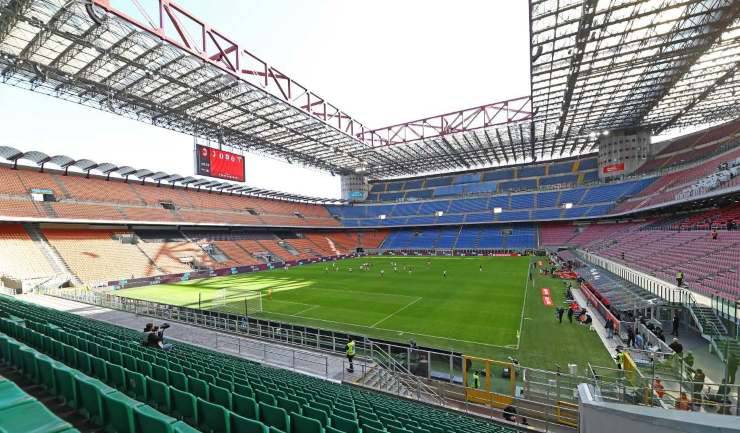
247	305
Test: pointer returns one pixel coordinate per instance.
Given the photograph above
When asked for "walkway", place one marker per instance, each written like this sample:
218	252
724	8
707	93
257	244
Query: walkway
319	364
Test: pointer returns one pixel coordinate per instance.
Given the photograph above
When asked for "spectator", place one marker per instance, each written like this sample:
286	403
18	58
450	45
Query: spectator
145	334
699	378
510	413
676	323
639	341
609	328
658	387
630	336
714	234
156	339
676	346
731	367
683	402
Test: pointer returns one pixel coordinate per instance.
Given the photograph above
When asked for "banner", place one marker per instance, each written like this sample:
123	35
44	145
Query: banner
613	168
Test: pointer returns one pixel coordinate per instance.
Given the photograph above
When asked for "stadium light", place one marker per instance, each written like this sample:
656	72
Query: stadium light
567	205
381	216
497	210
439	213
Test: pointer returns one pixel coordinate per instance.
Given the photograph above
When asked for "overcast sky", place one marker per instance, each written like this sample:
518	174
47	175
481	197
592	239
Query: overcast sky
381	61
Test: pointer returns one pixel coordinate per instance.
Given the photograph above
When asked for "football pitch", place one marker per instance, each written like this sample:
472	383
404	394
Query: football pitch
480	308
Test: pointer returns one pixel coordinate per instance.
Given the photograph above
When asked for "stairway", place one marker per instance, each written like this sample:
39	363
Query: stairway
708	320
52	255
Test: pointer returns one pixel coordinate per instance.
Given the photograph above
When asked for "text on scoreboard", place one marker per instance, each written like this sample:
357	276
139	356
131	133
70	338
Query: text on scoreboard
219	163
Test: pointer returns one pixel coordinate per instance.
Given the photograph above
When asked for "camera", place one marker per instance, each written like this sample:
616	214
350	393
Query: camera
162	327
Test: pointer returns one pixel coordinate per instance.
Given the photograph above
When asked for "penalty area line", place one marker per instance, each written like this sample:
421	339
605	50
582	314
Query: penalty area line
396	312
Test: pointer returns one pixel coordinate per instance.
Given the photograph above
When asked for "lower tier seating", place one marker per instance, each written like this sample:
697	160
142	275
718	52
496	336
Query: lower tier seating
210	391
19	412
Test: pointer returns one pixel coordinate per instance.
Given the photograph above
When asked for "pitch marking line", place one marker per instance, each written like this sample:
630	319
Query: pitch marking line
396	312
524	303
507	346
305	310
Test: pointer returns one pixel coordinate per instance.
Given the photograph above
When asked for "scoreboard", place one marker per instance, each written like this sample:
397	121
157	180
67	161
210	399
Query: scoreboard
218	163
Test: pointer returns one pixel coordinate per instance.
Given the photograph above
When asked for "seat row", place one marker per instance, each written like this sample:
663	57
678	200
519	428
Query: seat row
210	390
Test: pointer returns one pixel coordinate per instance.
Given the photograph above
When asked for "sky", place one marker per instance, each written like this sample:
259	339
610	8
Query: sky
381	61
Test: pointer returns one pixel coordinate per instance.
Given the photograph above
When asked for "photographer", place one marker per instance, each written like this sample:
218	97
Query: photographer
156	338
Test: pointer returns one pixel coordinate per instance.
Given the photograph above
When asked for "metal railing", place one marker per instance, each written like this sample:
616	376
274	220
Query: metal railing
405	382
663	289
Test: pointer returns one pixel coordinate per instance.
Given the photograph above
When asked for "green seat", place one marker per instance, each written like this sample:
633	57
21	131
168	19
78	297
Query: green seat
70	357
198	387
316	414
46	373
330	429
302	424
239	424
343	413
29	367
265	397
178	380
144	367
245	406
184	406
136	385
31	417
274	416
116	376
118	413
149	420
65	384
115	357
159	394
99	368
220	396
213	418
243	389
372	429
11	395
344	424
129	362
181	427
84	362
289	405
91	392
160	373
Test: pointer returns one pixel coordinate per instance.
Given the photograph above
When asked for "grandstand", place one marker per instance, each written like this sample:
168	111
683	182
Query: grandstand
459	242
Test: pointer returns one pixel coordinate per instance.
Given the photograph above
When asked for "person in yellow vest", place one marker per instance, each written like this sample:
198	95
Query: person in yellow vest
476	379
351	354
679	278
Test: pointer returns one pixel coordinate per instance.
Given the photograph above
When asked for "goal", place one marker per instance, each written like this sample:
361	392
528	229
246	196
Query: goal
247	305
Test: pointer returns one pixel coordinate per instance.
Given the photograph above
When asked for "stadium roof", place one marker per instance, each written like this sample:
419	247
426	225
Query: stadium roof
596	65
602	65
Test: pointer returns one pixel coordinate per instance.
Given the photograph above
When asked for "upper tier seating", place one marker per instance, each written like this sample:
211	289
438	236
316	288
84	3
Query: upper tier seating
99	199
19	256
218	392
692	147
667	187
520	178
592	201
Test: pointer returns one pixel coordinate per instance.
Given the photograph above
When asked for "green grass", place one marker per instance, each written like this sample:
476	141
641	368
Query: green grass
471	311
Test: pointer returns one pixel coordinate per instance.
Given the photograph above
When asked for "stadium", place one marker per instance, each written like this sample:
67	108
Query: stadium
564	261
